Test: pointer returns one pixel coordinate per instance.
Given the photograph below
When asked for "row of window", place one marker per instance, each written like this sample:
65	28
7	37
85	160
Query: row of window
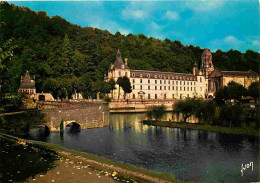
27	91
169	82
119	73
164	77
169	88
149	96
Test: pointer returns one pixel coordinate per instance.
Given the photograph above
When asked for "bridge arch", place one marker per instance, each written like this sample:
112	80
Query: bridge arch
71	125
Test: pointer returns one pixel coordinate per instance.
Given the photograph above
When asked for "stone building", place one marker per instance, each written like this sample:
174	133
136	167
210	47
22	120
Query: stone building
219	79
161	85
27	86
202	83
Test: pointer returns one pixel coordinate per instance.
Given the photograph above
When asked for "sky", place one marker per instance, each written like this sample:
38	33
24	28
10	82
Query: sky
213	24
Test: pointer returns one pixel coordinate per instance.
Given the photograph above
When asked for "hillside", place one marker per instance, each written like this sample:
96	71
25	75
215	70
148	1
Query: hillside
54	48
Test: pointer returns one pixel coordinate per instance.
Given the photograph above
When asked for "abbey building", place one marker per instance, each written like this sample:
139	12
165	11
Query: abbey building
202	83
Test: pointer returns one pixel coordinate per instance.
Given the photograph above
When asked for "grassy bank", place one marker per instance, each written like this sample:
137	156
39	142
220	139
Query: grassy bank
125	170
197	126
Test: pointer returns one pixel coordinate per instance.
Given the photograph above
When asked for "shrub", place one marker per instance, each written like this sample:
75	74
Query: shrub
156	112
107	99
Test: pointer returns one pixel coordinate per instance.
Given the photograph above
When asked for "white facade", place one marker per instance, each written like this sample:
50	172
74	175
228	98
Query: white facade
158	85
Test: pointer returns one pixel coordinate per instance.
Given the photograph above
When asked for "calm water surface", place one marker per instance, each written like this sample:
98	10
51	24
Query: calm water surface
187	154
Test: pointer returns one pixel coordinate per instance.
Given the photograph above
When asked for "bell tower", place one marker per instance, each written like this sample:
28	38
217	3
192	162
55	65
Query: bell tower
206	63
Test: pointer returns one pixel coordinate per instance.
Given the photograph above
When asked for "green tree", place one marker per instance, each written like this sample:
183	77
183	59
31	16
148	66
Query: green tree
6	53
232	114
156	112
206	111
187	108
253	90
124	82
232	91
51	86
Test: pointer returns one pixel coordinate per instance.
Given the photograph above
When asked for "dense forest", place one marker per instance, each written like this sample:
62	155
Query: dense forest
57	52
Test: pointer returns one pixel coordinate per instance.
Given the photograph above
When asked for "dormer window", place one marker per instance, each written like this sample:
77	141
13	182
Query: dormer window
133	74
155	76
123	66
148	75
141	75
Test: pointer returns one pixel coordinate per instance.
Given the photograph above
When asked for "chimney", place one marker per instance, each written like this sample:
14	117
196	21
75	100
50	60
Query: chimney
126	61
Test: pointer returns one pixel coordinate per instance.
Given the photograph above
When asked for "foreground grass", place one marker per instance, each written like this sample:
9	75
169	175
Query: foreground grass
163	176
198	126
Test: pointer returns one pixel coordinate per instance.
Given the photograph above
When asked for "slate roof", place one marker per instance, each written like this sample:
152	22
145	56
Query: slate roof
119	62
240	73
27	83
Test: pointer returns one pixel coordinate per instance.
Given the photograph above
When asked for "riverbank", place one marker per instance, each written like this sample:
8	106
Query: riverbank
198	126
76	165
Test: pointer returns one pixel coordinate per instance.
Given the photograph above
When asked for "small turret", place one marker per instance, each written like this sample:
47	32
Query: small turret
126	61
195	69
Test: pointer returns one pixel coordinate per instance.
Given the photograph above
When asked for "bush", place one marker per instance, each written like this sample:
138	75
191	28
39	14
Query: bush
231	115
156	112
107	99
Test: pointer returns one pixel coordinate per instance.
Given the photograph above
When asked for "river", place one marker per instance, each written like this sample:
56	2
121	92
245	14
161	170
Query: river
192	155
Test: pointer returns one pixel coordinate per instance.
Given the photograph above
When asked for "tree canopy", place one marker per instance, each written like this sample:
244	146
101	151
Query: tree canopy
232	91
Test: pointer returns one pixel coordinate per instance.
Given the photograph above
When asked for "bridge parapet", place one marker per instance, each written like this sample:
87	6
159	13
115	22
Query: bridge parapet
86	114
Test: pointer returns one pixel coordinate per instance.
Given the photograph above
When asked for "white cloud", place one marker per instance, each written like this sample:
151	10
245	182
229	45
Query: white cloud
172	15
134	14
155	26
228	42
204	5
124	31
256	43
111	26
232	40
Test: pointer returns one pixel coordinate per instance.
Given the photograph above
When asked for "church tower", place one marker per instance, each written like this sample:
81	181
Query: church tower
206	64
118	69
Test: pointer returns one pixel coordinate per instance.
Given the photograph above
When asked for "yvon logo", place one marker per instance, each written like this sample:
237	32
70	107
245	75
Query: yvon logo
247	166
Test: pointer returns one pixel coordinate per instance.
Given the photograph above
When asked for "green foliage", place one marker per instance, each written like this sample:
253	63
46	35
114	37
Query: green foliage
20	123
188	107
55	48
12	103
124	82
156	112
231	114
232	91
107	99
6	53
209	113
206	111
254	89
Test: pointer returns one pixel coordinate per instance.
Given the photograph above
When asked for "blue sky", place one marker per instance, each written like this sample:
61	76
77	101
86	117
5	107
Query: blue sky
217	24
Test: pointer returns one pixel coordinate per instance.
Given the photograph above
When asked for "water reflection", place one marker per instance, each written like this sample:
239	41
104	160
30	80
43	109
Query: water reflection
188	154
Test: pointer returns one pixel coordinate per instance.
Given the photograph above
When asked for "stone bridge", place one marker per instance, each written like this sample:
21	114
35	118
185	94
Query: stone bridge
86	114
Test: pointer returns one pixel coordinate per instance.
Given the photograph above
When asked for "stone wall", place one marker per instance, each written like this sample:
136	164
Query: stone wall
139	105
86	114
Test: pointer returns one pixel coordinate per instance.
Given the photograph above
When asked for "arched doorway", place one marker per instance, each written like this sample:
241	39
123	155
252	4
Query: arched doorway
141	95
41	97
